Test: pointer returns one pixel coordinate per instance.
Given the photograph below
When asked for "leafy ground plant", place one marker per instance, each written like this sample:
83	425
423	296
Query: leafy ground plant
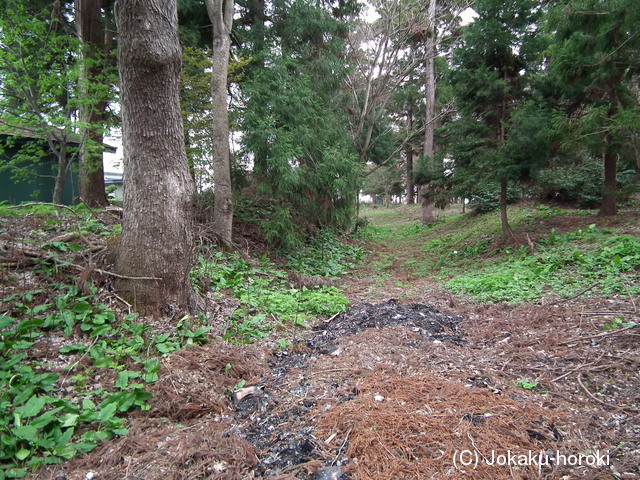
267	296
563	264
39	424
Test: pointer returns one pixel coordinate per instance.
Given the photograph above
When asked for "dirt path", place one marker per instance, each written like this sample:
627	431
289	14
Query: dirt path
410	383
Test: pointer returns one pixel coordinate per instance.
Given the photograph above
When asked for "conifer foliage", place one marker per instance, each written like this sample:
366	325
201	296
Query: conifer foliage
295	123
594	61
492	68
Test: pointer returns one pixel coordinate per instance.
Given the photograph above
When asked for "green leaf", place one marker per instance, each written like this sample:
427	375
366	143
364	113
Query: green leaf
73	349
65	451
6	321
69	420
84	447
33	406
22	454
24	394
107	412
81	307
46	418
26	432
15	473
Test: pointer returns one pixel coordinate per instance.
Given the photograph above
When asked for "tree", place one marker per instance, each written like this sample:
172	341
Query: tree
428	150
294	123
95	88
156	240
492	65
40	88
221	15
593	60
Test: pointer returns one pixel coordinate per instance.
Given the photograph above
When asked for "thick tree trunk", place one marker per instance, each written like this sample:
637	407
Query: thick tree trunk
221	16
92	112
156	238
608	207
428	146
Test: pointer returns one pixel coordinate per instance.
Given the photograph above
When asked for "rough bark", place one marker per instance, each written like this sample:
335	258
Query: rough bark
221	16
156	239
61	176
92	113
430	104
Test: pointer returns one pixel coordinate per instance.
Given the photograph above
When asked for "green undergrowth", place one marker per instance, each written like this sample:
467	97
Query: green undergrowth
270	298
466	252
326	255
51	412
561	266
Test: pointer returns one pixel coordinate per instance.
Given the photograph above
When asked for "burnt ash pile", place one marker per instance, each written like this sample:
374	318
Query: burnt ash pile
274	418
423	318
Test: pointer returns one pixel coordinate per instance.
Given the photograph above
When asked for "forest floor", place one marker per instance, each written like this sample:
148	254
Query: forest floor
411	382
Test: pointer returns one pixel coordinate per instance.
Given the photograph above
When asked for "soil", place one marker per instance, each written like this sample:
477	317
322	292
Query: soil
409	383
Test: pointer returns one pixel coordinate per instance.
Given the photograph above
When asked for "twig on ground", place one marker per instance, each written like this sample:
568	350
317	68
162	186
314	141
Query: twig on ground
599	335
579	367
595	314
575	296
591	394
33	204
602	402
346	438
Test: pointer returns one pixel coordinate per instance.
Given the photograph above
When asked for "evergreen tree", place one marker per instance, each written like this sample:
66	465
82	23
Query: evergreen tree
491	73
593	62
295	122
96	86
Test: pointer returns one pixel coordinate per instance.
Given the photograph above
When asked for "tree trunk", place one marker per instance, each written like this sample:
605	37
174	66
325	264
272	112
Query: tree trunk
156	239
92	111
507	233
608	207
61	174
409	158
221	16
430	100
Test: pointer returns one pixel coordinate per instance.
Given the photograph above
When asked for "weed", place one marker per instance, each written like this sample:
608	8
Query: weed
564	265
264	294
527	384
37	426
617	323
326	255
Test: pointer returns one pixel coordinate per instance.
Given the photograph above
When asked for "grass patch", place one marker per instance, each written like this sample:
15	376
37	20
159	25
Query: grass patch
563	265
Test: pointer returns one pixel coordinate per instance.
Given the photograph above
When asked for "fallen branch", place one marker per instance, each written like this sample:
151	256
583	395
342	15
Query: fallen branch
579	367
110	274
575	296
600	335
35	255
33	204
